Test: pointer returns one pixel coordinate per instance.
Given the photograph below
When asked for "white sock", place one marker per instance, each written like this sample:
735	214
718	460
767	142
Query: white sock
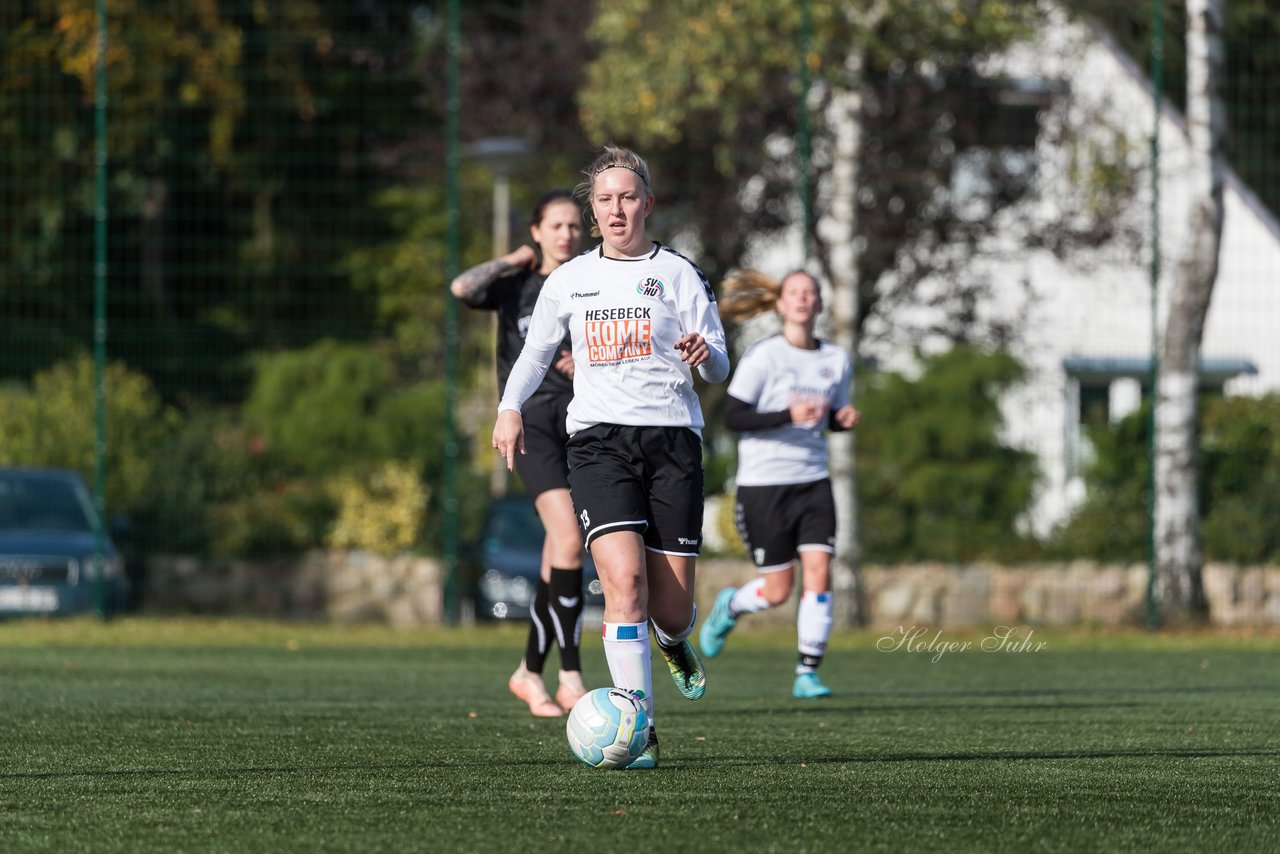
749	598
813	628
626	649
671	640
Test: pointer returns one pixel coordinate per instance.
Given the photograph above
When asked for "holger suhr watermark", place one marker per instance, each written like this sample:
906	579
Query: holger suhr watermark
919	639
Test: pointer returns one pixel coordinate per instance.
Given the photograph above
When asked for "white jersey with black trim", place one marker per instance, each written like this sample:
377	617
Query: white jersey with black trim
624	317
772	375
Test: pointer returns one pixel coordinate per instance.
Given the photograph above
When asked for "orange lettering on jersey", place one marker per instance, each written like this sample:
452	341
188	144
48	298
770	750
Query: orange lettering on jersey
614	341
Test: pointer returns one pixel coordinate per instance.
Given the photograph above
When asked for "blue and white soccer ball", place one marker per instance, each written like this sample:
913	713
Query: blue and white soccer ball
608	728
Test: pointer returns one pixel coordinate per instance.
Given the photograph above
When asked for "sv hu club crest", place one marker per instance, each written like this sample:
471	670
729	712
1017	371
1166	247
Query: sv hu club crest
650	287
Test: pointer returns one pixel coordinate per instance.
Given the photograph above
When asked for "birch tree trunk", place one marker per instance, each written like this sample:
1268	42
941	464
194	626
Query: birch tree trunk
843	242
845	114
1179	588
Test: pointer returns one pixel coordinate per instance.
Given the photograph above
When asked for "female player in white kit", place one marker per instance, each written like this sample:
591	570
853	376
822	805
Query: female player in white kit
640	317
786	391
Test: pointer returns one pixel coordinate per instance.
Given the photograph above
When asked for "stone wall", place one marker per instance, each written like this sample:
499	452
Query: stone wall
408	590
1076	593
337	585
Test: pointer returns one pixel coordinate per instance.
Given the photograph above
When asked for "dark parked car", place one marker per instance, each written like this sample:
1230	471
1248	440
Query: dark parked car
48	546
508	559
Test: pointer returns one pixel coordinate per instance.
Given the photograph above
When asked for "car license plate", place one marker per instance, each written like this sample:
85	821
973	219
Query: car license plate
28	599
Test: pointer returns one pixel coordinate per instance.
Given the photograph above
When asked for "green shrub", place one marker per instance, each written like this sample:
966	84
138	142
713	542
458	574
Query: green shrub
317	408
1240	473
212	461
1112	522
934	480
381	513
336	410
286	519
53	423
1239	486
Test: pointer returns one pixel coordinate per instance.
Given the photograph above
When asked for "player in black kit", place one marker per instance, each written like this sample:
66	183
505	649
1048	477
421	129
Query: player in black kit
510	286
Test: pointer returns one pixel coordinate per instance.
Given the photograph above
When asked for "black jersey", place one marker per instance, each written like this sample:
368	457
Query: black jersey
513	297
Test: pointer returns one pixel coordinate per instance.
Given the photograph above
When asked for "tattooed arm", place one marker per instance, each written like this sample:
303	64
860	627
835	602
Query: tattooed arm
480	276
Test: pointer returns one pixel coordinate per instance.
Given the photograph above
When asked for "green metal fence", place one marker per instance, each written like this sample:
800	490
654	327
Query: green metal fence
225	242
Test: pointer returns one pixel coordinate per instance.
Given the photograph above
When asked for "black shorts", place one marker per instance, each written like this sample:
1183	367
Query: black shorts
544	465
778	522
643	479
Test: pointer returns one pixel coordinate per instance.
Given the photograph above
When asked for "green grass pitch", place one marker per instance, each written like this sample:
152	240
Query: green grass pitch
192	735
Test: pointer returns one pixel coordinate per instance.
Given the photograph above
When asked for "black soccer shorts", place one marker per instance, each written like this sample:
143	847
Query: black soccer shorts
643	479
778	522
545	464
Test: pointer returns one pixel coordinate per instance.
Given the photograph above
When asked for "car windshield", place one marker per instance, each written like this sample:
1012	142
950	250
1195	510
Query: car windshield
514	525
32	503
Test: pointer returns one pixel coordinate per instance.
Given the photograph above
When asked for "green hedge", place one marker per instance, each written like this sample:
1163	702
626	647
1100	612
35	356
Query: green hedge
935	482
1239	486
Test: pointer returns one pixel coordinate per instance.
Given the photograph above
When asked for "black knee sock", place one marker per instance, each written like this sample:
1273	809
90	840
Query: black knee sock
540	627
566	614
806	662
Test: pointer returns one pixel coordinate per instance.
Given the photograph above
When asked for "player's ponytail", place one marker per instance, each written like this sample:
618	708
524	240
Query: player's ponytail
745	293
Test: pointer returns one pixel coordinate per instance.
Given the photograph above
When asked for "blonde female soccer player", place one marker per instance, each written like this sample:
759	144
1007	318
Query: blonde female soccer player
641	317
787	390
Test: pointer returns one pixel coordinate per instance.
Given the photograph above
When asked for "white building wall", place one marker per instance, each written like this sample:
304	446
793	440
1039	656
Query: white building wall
1098	303
1103	307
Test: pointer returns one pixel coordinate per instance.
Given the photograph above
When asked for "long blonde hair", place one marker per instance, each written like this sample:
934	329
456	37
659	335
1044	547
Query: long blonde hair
745	293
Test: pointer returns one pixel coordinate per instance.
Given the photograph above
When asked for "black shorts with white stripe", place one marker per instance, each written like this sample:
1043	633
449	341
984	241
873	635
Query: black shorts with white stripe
643	479
778	522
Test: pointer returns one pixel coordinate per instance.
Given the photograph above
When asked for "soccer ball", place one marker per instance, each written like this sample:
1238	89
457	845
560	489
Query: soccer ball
608	728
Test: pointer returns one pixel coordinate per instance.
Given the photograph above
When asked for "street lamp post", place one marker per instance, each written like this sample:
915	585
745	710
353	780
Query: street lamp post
501	154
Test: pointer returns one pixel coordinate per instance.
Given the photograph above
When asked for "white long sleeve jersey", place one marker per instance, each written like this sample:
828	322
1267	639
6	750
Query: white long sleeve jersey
771	376
624	317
